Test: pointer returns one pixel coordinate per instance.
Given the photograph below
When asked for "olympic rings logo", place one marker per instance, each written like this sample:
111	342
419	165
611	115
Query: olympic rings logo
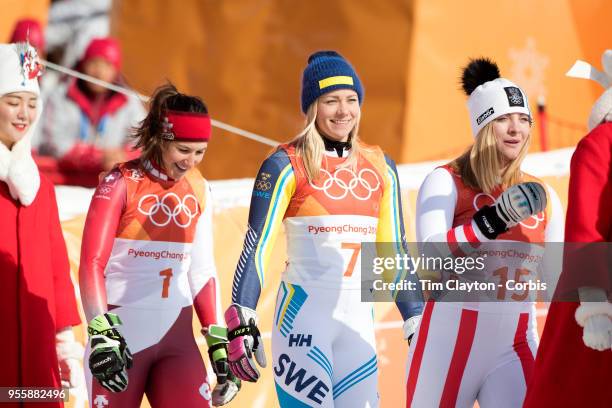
336	188
528	223
262	185
163	207
104	190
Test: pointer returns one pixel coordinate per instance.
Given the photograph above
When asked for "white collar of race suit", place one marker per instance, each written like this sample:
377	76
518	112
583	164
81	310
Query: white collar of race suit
154	171
333	153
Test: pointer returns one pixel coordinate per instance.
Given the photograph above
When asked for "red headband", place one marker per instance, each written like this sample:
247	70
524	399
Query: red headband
186	126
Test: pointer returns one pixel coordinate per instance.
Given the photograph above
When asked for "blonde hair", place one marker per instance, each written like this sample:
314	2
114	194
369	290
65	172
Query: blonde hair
310	147
482	165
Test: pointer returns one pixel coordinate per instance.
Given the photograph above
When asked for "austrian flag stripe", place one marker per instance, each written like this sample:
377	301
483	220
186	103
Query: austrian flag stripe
453	244
419	350
470	235
461	353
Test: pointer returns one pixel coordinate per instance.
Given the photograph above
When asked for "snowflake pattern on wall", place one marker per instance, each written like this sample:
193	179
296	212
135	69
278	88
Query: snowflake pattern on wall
528	66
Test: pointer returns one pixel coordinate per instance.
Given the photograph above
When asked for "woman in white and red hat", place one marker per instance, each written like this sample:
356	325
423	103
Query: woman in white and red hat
86	126
147	261
479	343
37	301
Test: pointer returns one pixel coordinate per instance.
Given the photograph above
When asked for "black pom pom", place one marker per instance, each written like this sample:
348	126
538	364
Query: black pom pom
477	72
320	54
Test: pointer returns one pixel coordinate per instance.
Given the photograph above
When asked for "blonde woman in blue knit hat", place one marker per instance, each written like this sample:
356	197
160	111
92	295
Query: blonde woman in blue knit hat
332	192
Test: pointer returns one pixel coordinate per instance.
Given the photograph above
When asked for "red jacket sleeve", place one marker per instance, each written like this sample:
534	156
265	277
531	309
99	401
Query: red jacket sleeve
82	157
205	303
589	213
589	210
107	205
66	312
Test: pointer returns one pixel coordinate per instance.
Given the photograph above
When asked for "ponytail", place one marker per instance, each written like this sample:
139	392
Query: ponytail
148	134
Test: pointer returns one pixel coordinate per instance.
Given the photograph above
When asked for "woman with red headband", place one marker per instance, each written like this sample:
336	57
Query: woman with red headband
147	257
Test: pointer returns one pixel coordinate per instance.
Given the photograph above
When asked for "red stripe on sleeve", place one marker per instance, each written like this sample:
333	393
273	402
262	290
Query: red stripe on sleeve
205	304
451	238
471	235
103	218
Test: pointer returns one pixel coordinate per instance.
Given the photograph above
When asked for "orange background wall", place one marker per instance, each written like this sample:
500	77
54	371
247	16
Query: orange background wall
14	10
245	58
534	43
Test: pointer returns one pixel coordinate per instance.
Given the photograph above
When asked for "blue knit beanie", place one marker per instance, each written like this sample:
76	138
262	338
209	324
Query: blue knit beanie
327	71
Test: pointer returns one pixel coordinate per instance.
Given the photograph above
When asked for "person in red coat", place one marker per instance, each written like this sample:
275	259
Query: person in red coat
574	360
37	299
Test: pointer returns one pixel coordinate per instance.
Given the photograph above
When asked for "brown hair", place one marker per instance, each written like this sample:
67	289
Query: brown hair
148	134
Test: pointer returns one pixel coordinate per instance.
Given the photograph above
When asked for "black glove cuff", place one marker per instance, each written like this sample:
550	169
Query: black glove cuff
489	223
248	330
221	369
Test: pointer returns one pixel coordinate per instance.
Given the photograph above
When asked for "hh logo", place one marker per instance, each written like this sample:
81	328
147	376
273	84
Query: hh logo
299	340
301	382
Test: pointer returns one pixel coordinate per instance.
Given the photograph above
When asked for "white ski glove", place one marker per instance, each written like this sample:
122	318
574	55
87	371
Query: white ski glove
410	326
69	355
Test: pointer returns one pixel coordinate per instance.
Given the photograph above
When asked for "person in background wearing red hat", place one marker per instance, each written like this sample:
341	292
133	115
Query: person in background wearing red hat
29	30
86	126
146	258
37	300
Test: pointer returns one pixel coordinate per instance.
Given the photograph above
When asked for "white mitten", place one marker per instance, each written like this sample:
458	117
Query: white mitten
69	355
595	318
